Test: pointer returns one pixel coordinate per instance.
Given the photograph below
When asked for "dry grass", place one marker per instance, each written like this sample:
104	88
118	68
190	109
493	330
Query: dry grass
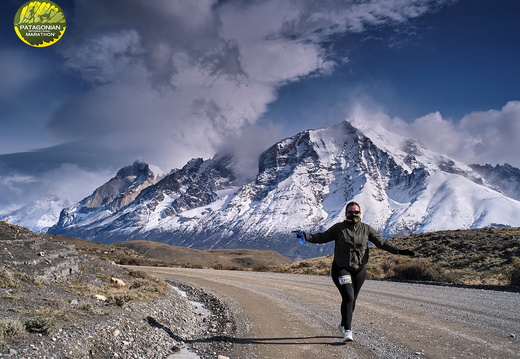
139	286
487	256
10	328
7	280
44	312
224	259
315	266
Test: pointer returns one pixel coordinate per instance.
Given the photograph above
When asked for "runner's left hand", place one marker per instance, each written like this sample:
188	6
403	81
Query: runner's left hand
406	252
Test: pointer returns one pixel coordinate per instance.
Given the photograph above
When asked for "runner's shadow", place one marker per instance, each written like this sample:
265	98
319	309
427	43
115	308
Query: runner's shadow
316	340
154	323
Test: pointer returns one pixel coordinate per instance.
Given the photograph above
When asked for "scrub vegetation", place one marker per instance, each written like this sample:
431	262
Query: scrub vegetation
486	256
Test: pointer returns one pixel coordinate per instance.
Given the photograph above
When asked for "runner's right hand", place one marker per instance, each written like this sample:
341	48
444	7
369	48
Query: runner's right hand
301	235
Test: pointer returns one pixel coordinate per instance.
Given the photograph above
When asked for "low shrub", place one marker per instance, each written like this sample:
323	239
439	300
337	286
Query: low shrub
130	261
14	298
138	274
514	274
119	299
88	308
375	272
11	328
7	281
421	269
41	324
261	268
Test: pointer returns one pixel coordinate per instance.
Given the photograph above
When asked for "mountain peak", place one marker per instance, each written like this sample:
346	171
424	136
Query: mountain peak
138	169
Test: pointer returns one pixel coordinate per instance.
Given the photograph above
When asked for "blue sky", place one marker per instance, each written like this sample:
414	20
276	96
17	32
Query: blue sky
165	81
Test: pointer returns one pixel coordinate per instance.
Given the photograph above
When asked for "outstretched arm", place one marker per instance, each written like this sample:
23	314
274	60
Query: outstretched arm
324	237
387	245
329	235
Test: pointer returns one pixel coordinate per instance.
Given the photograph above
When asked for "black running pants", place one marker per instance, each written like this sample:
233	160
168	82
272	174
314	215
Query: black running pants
349	284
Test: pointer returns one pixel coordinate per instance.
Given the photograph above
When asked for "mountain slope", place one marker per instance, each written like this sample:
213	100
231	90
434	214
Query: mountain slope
303	182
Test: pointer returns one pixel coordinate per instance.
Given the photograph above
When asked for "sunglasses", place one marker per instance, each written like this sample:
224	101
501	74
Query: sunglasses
353	212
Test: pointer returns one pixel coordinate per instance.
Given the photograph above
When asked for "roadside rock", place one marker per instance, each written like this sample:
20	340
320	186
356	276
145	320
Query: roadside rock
116	282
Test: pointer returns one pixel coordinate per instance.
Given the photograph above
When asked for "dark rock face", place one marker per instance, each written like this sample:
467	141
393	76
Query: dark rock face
504	178
120	190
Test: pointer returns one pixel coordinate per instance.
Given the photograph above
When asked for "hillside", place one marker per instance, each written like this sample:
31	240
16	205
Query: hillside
195	258
476	256
159	254
56	302
488	256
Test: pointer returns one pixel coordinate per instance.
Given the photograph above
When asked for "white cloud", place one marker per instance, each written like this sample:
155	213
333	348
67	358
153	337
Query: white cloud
69	183
172	80
495	134
172	83
317	19
485	137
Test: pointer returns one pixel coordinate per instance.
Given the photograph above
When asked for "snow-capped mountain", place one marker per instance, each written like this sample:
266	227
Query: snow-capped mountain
39	215
303	182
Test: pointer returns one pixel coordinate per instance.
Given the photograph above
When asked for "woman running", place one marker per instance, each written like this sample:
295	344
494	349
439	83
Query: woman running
350	258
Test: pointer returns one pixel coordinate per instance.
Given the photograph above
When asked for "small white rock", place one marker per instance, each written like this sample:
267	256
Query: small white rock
100	297
116	282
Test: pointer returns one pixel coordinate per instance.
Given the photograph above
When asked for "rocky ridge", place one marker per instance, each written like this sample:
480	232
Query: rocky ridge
57	303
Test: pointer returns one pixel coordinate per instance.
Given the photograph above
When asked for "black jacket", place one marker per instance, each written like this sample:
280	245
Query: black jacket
351	247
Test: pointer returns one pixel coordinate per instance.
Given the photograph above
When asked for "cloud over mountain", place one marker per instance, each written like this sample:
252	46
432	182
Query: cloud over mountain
167	81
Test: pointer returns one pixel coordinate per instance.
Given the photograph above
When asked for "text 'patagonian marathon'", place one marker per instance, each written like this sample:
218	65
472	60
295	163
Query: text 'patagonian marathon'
40	27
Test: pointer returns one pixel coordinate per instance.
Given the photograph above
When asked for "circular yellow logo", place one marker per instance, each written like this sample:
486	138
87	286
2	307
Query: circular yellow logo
40	23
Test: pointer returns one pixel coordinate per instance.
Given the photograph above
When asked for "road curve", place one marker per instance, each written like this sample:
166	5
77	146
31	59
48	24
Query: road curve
295	317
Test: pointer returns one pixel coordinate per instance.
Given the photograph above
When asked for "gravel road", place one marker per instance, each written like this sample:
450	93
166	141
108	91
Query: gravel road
295	317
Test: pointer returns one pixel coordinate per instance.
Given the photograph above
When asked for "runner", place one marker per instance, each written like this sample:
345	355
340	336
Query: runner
350	258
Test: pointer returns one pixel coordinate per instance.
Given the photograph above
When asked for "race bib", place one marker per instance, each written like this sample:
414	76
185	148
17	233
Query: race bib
345	279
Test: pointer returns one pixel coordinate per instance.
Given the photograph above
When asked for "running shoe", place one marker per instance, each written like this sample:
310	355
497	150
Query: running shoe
347	336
